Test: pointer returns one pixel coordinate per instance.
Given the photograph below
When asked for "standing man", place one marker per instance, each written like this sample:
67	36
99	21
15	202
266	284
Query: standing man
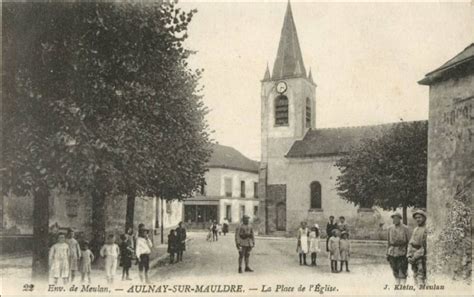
245	241
329	227
397	248
417	248
180	241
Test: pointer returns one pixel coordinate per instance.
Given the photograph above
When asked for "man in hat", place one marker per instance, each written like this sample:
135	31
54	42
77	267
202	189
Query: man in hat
244	241
417	248
397	248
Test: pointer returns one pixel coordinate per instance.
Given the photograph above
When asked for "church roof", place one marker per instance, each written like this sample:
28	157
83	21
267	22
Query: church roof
230	158
289	61
462	62
335	141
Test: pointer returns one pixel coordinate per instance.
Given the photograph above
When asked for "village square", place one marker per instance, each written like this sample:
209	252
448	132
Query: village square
113	182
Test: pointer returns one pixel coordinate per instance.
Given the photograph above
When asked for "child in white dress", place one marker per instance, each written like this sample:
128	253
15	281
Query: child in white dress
110	251
314	244
87	257
59	259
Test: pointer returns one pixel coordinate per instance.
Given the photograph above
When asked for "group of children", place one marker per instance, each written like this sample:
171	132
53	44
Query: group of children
67	256
339	246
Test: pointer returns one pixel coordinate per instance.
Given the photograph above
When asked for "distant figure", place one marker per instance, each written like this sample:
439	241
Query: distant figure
143	251
181	241
302	246
417	248
59	259
126	255
87	257
110	252
397	248
334	252
342	225
225	227
172	245
345	250
214	231
244	241
314	244
330	226
74	253
219	229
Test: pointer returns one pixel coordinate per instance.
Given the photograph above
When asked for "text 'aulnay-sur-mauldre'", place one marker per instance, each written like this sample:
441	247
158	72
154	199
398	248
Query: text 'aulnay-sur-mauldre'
184	289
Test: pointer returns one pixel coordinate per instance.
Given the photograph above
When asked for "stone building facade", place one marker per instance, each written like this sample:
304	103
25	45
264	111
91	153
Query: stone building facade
450	142
297	176
229	190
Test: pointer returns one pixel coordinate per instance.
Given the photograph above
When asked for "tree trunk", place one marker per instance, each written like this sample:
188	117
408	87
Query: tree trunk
130	211
98	221
405	219
40	234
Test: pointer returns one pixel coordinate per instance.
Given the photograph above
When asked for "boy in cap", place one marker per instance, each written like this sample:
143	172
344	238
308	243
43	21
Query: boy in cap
244	241
397	248
417	248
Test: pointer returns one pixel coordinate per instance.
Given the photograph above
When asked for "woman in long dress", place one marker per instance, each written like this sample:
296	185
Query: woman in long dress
59	259
302	247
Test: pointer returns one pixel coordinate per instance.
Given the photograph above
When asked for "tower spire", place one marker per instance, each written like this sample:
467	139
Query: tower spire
310	76
267	74
289	61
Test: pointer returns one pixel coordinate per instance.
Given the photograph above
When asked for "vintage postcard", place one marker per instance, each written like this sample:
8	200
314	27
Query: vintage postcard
236	148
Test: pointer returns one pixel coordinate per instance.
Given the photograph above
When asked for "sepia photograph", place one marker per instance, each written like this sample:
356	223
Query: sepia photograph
236	148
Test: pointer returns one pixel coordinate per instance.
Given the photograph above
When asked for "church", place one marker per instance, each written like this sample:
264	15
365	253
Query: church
297	175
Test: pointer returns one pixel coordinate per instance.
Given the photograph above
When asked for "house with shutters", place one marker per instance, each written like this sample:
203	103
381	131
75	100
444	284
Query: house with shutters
228	191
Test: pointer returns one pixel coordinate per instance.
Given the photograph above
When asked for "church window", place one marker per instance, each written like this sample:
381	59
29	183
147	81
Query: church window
315	195
281	111
308	113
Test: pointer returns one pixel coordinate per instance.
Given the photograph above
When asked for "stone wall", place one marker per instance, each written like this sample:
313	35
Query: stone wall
73	211
450	156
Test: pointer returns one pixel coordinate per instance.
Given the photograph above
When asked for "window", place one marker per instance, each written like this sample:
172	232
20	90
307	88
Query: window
228	187
255	211
242	211
203	187
228	213
242	189
315	195
281	111
168	207
308	113
255	190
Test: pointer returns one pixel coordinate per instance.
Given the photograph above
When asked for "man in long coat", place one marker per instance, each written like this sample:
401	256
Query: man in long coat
244	241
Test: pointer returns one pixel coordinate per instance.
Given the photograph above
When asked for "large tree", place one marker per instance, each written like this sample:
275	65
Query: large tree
99	100
388	171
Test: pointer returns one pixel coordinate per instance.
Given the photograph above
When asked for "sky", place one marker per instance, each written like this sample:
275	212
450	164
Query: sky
366	59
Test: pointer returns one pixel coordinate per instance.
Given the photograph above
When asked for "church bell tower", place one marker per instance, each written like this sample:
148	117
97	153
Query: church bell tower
288	109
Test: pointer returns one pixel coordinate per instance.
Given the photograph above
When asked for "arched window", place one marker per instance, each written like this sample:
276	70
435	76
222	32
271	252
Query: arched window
315	195
281	111
308	113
